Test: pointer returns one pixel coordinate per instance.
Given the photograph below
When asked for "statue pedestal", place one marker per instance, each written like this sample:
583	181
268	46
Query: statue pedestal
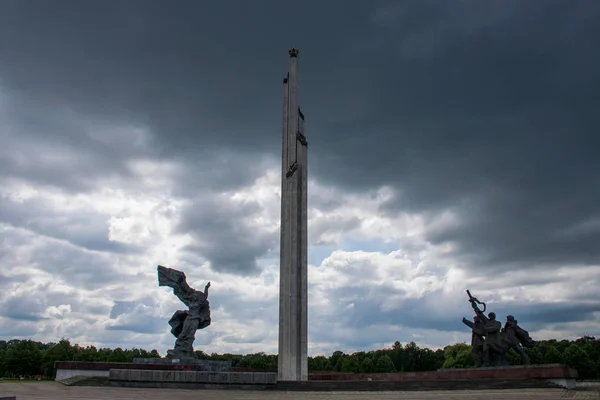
191	364
181	355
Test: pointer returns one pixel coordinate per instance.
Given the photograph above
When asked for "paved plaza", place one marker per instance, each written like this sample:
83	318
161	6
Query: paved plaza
57	391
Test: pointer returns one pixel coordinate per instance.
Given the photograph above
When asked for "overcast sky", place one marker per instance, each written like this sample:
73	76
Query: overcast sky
451	147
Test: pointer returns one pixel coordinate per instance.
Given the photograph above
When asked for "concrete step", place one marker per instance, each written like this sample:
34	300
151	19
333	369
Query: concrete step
82	380
73	379
329	386
94	381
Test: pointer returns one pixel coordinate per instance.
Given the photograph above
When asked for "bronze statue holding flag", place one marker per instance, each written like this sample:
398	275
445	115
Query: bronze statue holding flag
493	340
184	324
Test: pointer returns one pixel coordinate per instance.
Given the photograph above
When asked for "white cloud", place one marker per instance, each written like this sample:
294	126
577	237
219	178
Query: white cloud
358	299
67	258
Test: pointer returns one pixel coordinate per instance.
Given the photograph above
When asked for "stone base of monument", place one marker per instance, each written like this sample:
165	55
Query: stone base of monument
69	369
194	363
521	376
133	377
178	376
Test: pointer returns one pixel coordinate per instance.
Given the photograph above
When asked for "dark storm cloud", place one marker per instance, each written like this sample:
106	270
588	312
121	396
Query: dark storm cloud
205	75
22	308
550	313
248	337
12	329
50	144
6	281
224	235
85	230
89	270
121	307
225	171
139	324
500	125
422	313
429	312
485	108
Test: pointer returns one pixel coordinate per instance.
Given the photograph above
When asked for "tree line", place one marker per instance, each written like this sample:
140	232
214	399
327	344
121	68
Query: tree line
31	358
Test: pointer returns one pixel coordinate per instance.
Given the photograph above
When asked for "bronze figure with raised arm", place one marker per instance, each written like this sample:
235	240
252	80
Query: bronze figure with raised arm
185	323
477	339
494	346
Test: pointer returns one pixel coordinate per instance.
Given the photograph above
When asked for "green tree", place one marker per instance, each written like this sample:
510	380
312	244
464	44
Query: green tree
154	354
535	355
575	357
552	356
349	364
62	351
367	365
457	356
591	346
23	358
385	364
359	356
410	357
583	354
259	361
512	357
429	360
319	363
87	354
397	355
104	354
118	355
55	352
335	360
199	353
2	363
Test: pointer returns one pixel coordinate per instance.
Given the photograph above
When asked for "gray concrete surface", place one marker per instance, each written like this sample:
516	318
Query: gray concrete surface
56	391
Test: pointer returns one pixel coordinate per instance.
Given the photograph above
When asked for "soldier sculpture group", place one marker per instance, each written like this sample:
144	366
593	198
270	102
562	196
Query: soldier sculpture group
490	341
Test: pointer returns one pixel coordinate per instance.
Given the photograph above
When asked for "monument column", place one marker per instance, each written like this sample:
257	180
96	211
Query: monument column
293	276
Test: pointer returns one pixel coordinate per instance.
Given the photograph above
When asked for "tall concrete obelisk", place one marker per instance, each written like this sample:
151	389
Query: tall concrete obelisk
293	277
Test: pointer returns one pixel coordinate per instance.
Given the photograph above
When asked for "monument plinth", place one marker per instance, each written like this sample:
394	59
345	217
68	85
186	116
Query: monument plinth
193	364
